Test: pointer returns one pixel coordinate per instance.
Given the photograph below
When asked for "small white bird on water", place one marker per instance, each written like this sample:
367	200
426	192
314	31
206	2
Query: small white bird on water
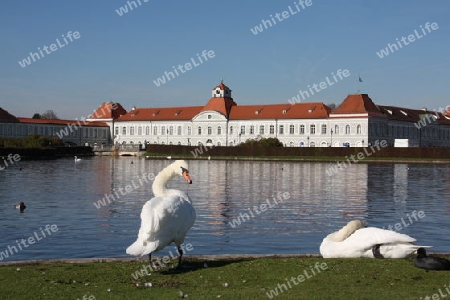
355	240
167	217
77	159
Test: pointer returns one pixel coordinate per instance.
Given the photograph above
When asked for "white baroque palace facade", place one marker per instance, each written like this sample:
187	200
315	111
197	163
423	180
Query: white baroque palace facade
356	122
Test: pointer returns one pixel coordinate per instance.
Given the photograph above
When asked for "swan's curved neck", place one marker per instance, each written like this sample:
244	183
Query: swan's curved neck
346	231
160	183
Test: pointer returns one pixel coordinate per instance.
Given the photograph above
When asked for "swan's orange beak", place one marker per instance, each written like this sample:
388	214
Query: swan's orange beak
186	176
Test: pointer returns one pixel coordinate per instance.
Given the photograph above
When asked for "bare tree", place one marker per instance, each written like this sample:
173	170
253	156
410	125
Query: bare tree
332	105
49	114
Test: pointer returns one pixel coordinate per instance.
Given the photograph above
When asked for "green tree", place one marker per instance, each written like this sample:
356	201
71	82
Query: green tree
264	142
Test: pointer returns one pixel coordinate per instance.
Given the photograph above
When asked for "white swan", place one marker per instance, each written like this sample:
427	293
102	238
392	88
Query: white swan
167	217
77	159
353	240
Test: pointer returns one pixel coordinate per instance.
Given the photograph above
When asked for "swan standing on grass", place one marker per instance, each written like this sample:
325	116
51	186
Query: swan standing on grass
353	240
167	217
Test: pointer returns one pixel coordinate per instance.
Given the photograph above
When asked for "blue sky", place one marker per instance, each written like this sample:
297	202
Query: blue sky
117	58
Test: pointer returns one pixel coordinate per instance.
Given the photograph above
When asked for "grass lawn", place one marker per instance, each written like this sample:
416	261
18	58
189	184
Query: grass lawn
227	279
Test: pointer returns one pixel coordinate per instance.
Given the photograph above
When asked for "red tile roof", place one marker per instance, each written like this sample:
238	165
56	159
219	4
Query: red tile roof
222	105
357	104
6	117
62	122
160	114
411	115
313	110
108	110
221	86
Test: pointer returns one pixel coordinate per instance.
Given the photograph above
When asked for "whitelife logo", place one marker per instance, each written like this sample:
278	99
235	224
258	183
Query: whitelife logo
48	50
411	38
187	66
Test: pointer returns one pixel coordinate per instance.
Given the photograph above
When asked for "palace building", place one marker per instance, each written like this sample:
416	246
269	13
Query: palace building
356	122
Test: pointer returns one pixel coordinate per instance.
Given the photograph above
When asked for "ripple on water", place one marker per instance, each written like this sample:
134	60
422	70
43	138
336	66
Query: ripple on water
62	193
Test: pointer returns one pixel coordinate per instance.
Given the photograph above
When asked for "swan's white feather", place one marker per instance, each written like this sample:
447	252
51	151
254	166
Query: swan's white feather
361	242
165	218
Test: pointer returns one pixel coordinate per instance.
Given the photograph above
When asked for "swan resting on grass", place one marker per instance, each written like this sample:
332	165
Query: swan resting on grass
355	240
430	262
167	217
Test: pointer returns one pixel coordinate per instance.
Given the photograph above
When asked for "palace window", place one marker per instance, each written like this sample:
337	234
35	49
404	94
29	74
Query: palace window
272	129
291	129
312	129
302	129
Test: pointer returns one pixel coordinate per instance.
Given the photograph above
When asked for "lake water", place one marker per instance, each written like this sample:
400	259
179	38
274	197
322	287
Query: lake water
62	193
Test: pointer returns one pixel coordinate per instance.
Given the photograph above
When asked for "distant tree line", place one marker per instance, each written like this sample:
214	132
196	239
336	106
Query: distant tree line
263	142
31	141
48	114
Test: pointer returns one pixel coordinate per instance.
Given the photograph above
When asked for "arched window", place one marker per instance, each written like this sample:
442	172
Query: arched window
199	130
358	129
189	130
209	130
219	130
347	129
336	129
231	131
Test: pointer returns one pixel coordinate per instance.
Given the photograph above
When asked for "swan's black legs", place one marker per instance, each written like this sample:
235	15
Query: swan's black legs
179	257
150	258
376	251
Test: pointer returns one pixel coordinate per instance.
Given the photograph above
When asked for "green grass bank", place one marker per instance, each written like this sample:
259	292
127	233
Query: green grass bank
226	278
